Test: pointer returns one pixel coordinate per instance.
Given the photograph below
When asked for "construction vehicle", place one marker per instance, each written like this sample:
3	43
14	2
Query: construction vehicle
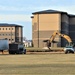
17	48
12	48
69	47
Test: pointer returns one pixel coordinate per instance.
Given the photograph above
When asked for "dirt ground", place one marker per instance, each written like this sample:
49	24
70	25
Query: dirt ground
58	52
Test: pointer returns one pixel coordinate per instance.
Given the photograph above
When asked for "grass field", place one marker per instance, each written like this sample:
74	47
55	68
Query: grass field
37	64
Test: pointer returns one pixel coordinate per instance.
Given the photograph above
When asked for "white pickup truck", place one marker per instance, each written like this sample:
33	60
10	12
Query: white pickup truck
69	49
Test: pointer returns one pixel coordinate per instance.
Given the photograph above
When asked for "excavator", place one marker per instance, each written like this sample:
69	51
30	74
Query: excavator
69	47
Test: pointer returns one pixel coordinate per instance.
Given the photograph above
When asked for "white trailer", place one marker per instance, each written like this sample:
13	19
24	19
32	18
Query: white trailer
4	44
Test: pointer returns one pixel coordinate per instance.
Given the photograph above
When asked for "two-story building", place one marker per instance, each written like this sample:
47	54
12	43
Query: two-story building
12	32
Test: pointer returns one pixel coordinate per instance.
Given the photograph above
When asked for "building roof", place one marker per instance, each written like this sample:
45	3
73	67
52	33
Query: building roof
48	11
52	11
8	25
71	15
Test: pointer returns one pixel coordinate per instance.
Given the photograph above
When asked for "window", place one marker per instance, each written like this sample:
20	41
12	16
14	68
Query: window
9	28
12	39
0	28
9	39
6	28
3	28
12	28
17	34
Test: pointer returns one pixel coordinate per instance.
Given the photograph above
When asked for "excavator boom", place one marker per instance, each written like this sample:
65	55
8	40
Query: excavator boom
61	35
65	37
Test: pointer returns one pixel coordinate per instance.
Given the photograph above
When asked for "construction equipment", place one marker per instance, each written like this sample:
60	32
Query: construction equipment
68	49
17	48
12	48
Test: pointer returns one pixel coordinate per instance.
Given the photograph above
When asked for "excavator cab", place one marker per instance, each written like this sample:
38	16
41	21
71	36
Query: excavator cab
71	44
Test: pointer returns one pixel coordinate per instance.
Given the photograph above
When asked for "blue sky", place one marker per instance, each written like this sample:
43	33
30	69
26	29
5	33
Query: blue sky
20	11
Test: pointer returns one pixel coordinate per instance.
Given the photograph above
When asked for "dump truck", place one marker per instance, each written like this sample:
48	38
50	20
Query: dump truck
17	48
69	48
12	48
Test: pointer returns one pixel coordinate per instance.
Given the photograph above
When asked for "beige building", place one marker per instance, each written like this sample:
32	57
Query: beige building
44	23
12	32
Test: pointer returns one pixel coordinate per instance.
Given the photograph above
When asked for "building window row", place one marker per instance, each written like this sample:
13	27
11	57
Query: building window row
5	28
11	39
6	34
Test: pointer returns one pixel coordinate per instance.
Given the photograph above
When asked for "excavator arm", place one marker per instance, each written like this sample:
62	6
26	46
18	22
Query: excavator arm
65	37
53	37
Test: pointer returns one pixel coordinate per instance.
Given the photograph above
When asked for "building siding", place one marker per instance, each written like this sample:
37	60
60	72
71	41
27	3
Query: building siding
64	28
72	28
43	27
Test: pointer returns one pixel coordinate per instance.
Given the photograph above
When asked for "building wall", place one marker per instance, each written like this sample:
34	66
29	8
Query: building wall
64	28
72	28
18	34
7	32
35	30
43	26
10	33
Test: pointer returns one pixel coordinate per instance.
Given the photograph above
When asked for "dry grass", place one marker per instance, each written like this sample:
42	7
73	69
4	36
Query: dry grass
37	64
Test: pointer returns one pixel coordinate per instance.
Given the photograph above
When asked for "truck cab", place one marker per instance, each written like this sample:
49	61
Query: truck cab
16	48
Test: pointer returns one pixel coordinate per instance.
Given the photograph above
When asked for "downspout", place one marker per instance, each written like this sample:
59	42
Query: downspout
38	30
60	28
11	34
